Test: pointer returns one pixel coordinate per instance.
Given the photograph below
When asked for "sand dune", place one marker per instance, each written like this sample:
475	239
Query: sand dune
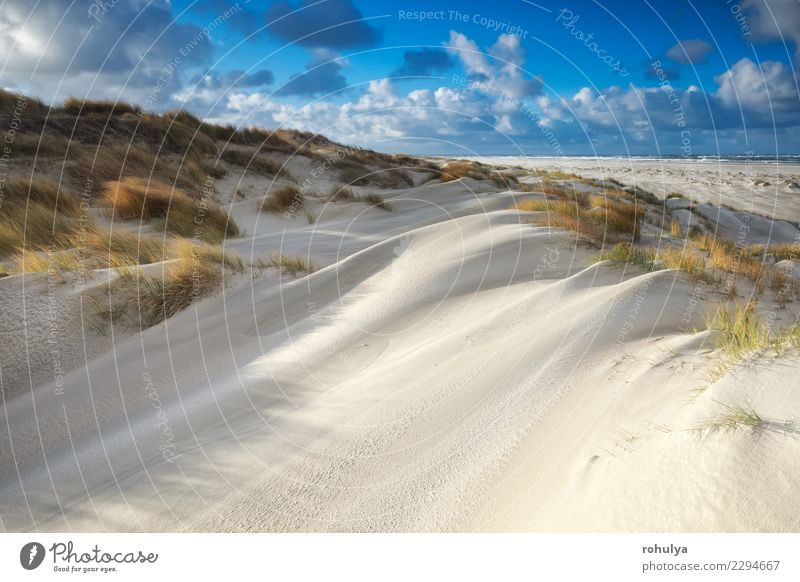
451	368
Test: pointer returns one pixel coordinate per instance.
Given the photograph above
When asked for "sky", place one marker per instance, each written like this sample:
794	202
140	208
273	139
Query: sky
510	77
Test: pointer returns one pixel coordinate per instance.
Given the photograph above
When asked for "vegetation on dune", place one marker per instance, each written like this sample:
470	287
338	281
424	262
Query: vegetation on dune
342	193
346	194
158	169
558	175
735	417
377	201
283	199
475	170
590	217
122	161
255	163
785	251
77	106
354	174
36	215
97	249
138	299
178	213
291	264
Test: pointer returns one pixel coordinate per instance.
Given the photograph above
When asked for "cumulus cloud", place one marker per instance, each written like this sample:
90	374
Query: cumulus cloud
499	70
333	24
763	93
740	103
381	114
209	89
690	52
423	62
499	104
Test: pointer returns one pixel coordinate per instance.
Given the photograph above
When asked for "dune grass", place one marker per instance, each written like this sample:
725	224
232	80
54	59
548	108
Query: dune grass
177	212
342	193
667	257
785	251
35	215
282	199
590	217
558	175
532	205
77	106
739	331
735	418
475	170
291	264
355	171
252	162
96	248
347	195
377	201
114	162
142	300
725	255
628	254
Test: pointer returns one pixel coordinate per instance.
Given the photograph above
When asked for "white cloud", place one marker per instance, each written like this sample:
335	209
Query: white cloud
760	90
645	116
499	71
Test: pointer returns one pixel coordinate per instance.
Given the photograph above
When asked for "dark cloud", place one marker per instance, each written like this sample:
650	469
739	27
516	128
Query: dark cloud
423	63
334	24
235	78
319	79
59	47
257	79
773	20
669	74
690	52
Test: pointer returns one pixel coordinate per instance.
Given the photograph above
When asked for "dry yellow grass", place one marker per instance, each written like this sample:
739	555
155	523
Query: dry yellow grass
725	255
532	205
35	215
75	106
785	251
283	198
135	299
683	259
670	257
255	163
177	212
118	161
291	264
591	217
475	170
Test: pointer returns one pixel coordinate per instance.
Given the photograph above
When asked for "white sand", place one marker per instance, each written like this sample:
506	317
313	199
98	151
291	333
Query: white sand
452	368
768	188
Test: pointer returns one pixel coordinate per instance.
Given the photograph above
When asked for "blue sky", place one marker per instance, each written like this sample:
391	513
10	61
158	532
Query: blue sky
509	77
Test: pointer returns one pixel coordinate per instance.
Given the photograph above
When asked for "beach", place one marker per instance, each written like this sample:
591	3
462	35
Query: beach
762	185
450	366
